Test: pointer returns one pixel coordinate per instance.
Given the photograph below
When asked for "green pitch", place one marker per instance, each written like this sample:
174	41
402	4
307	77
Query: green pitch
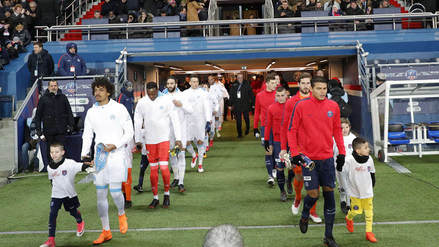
232	190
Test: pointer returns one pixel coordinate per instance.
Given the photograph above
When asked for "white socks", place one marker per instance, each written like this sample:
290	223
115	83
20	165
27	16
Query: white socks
181	167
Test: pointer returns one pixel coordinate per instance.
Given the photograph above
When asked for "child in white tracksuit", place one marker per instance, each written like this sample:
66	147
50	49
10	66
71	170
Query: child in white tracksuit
348	137
359	171
62	173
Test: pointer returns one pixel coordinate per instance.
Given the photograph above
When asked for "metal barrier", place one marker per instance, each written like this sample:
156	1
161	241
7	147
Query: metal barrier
363	70
124	28
121	74
74	11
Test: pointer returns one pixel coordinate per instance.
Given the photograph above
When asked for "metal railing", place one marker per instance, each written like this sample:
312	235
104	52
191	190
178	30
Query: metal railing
125	28
74	10
363	70
121	74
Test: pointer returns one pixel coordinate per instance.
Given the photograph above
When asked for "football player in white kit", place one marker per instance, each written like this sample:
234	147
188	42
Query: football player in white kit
177	156
214	107
221	92
198	121
112	126
156	115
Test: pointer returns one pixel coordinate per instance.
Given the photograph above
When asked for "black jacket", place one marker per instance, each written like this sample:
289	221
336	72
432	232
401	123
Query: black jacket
55	113
244	103
41	62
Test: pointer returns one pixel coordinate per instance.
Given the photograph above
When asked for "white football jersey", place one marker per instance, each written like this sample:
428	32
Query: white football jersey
358	178
63	178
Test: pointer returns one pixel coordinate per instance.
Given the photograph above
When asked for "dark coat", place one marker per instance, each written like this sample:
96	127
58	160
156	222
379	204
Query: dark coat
247	98
55	113
112	5
51	11
69	59
41	62
126	98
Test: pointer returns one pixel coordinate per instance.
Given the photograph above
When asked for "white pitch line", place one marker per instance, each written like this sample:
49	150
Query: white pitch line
414	222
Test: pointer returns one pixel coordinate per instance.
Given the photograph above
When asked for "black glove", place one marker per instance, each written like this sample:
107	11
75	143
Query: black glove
87	159
69	130
267	145
298	160
256	131
207	127
340	162
39	133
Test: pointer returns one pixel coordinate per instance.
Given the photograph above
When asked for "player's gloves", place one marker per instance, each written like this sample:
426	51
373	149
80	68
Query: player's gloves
340	162
267	145
208	127
86	159
298	160
256	132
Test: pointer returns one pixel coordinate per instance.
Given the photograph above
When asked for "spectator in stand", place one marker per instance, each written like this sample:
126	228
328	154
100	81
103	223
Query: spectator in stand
107	6
203	13
71	63
344	6
97	15
363	5
153	6
171	9
55	113
311	6
384	4
122	7
31	142
12	48
133	5
33	15
40	63
192	15
131	18
112	19
235	29
284	10
144	17
250	29
182	13
23	35
4	31
354	9
51	11
18	15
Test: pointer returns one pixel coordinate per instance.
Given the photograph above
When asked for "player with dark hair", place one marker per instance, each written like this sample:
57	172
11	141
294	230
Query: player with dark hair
314	124
156	114
273	125
296	172
263	100
62	173
112	127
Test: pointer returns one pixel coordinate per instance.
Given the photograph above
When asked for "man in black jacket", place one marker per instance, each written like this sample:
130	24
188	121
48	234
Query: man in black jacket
241	101
40	63
55	113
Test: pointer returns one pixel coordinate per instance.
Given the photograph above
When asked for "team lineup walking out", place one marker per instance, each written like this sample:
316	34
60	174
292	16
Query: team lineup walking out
304	138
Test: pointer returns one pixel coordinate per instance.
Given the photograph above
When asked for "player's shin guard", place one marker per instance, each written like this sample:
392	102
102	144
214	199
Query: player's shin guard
298	185
102	202
154	177
76	214
181	167
174	164
116	194
290	176
280	175
166	176
52	221
126	186
201	149
269	164
368	215
308	202
329	211
143	165
191	150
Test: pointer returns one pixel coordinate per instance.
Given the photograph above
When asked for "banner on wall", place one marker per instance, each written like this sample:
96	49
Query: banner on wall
78	92
426	72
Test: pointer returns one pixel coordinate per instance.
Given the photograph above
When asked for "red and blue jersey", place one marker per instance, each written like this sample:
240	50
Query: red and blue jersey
274	121
263	100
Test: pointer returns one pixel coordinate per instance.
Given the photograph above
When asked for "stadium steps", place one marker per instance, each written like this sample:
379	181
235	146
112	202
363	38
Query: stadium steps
77	34
406	24
6	149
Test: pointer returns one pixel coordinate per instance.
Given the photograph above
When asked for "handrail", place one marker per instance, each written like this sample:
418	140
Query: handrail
245	21
325	20
28	96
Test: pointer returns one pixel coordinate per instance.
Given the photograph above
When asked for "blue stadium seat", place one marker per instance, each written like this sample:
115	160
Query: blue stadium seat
397	135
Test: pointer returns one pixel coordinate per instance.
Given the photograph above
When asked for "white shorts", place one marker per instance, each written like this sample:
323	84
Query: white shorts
196	133
115	171
183	139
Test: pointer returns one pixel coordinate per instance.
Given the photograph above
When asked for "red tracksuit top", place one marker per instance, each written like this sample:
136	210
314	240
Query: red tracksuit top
289	106
314	123
274	121
263	100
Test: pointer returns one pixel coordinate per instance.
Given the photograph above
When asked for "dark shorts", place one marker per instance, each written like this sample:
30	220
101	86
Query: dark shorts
69	203
276	151
322	175
262	136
